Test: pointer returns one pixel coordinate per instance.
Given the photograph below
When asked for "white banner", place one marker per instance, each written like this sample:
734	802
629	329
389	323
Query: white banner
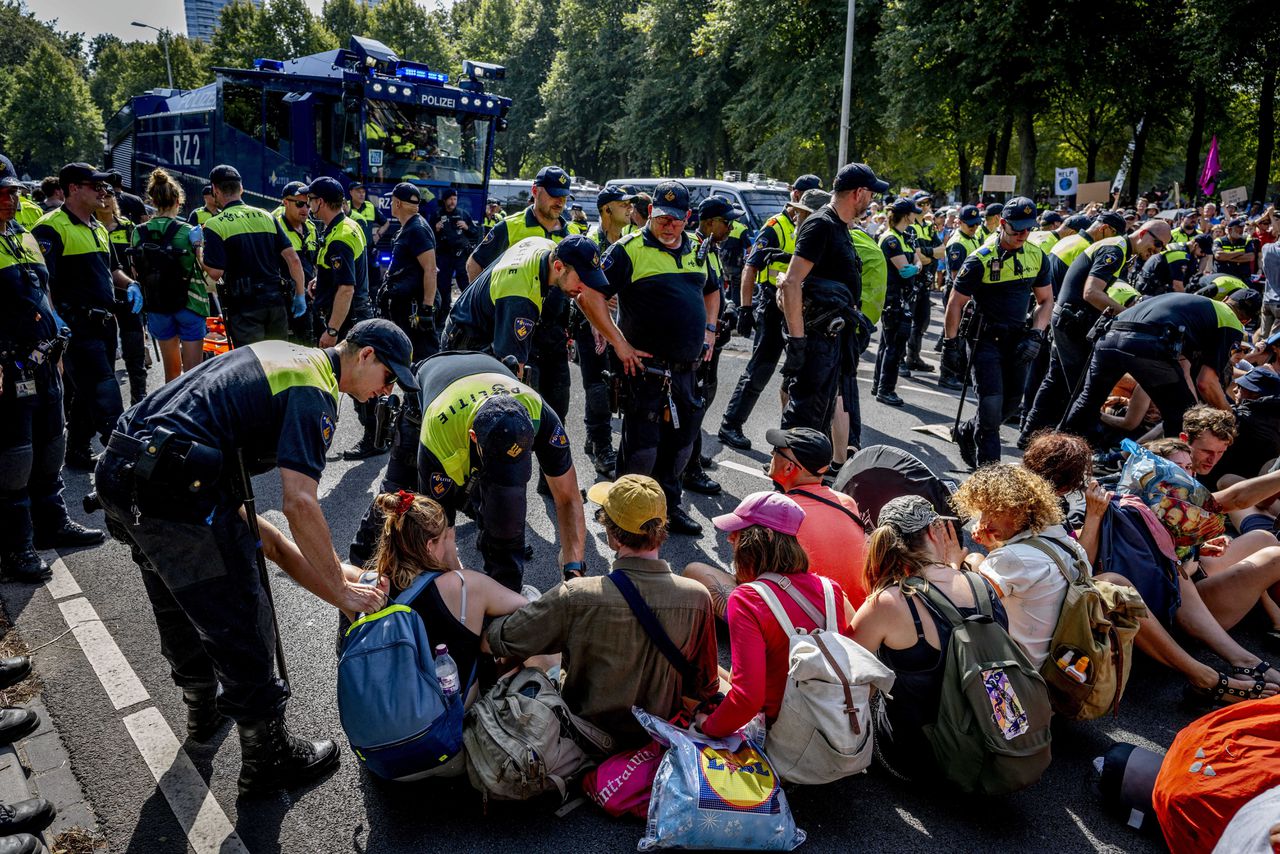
999	183
1235	196
1064	182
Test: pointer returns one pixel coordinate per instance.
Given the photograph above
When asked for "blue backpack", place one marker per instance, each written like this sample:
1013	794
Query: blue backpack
400	724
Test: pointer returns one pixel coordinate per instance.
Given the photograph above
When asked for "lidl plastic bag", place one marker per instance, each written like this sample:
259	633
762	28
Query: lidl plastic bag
716	793
1183	504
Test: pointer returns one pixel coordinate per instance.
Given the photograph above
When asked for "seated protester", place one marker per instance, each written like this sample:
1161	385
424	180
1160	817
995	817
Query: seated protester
831	532
1257	427
1066	462
1209	431
1010	504
763	532
610	662
905	632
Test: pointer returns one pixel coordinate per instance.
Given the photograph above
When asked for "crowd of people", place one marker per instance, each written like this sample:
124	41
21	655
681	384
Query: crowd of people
1085	328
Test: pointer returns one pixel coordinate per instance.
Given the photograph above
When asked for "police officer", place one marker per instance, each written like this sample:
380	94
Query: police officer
668	303
170	484
962	243
409	287
898	244
715	218
821	294
366	215
1148	341
1047	234
1000	276
499	311
1235	254
455	233
243	247
1105	225
1188	227
201	215
133	346
492	213
1079	304
294	218
83	277
1173	268
929	247
762	316
578	220
32	441
990	220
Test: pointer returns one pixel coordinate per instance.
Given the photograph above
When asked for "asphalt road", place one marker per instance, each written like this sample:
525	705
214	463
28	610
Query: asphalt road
350	811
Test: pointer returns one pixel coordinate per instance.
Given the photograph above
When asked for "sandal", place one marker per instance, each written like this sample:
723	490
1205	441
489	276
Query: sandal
1219	693
1258	671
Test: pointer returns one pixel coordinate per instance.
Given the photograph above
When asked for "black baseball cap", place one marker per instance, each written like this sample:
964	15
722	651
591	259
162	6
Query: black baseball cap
718	206
1263	381
115	179
206	190
1050	218
807	182
554	180
993	209
355	185
811	448
406	192
1114	219
390	343
671	198
905	206
293	188
1238	222
922	196
610	194
504	434
970	215
327	190
1204	241
491	201
1248	300
448	193
79	173
1020	213
575	207
583	255
853	176
222	172
1078	222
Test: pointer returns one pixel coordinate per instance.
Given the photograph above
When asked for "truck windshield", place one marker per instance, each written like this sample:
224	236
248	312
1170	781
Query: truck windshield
762	204
406	143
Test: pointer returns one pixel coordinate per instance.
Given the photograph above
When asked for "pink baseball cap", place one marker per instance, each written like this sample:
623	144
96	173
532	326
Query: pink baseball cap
771	510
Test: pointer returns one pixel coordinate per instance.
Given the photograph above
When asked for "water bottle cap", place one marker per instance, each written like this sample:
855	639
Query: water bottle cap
441	649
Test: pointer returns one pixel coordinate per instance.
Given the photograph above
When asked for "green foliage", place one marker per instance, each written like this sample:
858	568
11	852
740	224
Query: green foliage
119	69
51	118
413	32
345	18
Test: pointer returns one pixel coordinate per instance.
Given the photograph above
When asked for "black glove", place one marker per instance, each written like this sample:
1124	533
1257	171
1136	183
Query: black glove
746	323
952	356
1030	347
793	356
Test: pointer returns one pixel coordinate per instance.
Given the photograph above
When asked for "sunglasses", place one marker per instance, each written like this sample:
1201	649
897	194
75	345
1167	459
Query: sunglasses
789	459
297	203
94	185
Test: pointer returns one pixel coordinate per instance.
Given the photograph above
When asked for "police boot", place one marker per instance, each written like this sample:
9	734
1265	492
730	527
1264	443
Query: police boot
915	363
680	522
24	565
605	459
14	670
29	816
80	459
697	481
203	718
951	383
965	437
273	759
733	437
69	535
22	843
16	724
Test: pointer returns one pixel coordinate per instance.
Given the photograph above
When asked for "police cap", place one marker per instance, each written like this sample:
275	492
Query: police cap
610	194
922	196
223	172
115	179
1261	381
854	176
993	209
1112	219
902	207
1077	222
1238	222
390	344
554	180
327	190
583	255
1020	213
504	435
718	206
407	192
79	173
293	188
448	193
807	182
1204	241
355	185
10	181
1247	301
970	215
207	190
491	201
671	198
1050	218
575	207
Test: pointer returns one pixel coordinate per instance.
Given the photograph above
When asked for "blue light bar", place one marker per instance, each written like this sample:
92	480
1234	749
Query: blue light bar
416	71
268	65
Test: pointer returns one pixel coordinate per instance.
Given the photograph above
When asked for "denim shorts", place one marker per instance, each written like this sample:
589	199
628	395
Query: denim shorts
184	324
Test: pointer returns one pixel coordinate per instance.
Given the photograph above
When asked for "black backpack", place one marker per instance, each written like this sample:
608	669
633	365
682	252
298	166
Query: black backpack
160	270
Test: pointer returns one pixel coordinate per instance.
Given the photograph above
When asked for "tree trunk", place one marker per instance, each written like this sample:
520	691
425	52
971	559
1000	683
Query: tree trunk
989	156
1091	161
1266	135
1195	140
1139	150
1002	149
1027	154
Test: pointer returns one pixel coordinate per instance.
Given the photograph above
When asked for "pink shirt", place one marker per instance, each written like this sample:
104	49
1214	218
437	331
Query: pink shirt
836	544
761	651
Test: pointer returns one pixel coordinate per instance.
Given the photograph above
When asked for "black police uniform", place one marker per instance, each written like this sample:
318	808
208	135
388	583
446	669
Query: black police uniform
133	347
80	264
368	216
245	243
595	393
1146	342
401	299
959	246
1001	283
305	242
341	263
1073	318
661	310
709	371
32	441
500	310
179	509
1240	269
453	246
921	300
832	295
895	320
1173	264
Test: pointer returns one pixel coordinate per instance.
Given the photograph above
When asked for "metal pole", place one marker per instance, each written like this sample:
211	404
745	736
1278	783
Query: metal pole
164	40
251	516
848	87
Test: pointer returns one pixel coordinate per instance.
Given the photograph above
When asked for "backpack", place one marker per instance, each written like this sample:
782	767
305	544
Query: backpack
824	730
992	734
522	740
397	719
160	269
1093	638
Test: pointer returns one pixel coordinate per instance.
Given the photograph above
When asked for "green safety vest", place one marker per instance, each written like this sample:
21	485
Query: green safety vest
649	261
902	240
1227	317
785	229
365	213
345	231
924	236
289	366
970	245
1069	248
578	227
1119	240
518	229
515	273
447	419
303	244
875	273
1180	236
737	229
121	237
240	219
713	259
1029	257
1175	252
28	212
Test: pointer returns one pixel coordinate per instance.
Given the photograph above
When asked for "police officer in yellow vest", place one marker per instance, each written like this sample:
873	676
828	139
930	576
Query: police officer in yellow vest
294	217
170	484
760	314
668	304
1235	253
962	243
1175	267
492	213
578	220
1068	249
367	216
1000	277
929	246
201	215
1046	236
1079	304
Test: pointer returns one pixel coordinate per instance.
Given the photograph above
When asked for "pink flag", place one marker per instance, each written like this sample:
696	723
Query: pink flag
1211	169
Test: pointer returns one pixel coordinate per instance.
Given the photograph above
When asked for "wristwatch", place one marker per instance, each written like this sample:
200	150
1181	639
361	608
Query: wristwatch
711	327
329	330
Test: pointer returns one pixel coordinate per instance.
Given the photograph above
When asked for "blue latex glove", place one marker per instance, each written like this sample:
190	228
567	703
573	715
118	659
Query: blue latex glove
134	292
299	305
909	271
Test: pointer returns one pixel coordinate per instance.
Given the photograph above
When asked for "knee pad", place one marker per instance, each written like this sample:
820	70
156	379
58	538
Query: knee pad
15	468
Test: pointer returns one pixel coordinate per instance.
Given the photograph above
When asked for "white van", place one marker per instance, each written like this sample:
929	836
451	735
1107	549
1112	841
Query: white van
760	200
515	196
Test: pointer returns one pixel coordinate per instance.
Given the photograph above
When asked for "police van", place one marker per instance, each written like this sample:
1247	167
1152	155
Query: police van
760	197
515	196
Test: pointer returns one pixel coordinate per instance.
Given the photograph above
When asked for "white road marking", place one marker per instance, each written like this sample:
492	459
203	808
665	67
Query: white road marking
61	585
755	471
108	662
208	829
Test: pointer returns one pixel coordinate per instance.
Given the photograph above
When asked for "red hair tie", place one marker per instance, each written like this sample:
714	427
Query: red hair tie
406	501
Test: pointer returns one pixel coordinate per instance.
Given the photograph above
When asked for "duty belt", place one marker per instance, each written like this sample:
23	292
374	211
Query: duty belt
672	367
167	459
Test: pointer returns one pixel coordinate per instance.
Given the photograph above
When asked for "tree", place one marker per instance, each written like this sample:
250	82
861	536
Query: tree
58	121
412	32
119	70
345	18
232	44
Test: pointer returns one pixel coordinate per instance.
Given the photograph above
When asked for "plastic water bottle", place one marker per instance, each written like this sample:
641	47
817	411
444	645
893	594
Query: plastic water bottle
369	578
446	671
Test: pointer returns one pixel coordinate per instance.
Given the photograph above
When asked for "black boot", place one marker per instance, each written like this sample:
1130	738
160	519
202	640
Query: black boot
733	437
22	843
16	724
697	481
30	816
14	670
80	459
69	534
605	459
24	565
273	759
680	522
203	718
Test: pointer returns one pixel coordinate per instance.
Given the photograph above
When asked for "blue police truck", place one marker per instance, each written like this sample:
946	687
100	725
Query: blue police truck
355	114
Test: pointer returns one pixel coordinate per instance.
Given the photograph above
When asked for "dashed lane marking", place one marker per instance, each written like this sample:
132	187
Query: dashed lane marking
61	585
753	471
118	679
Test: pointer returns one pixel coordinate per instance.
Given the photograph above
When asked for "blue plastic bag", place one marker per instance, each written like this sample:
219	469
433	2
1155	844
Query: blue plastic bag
716	793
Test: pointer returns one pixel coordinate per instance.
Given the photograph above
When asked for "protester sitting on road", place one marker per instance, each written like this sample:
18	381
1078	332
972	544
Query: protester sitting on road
1009	505
905	632
611	663
763	533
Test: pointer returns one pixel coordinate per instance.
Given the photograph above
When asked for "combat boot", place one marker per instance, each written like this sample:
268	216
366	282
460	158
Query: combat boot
203	718
70	534
273	759
20	843
24	565
29	816
17	724
14	670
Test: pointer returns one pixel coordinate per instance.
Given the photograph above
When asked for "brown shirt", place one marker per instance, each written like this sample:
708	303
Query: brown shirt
610	664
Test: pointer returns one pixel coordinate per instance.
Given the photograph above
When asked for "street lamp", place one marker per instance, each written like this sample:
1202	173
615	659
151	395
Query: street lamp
164	43
848	86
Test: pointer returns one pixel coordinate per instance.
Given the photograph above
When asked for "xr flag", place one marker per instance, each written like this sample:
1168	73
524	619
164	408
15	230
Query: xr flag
1208	177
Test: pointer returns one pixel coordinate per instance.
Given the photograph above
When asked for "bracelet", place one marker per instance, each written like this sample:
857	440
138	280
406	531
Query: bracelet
572	567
